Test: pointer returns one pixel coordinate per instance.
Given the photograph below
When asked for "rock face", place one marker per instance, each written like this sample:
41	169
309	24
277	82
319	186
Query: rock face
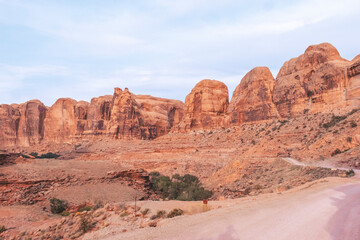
31	123
122	116
60	121
319	80
9	125
316	80
353	88
206	106
252	98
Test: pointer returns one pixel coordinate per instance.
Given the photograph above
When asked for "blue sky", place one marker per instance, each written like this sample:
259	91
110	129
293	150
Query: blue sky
83	49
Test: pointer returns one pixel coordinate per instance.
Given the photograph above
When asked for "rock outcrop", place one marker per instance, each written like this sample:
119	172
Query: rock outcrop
319	80
60	121
9	125
122	116
353	88
252	98
206	106
31	122
316	81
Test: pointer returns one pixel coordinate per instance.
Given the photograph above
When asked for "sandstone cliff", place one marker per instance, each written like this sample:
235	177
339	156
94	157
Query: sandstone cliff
316	80
122	116
319	80
252	98
205	106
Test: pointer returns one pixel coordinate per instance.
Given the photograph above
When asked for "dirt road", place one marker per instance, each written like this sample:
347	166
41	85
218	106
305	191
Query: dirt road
328	210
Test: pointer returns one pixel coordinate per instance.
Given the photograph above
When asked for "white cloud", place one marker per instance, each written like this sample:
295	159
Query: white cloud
12	77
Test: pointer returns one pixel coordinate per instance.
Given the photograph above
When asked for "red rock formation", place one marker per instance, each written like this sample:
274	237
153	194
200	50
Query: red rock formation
353	88
159	114
31	123
60	121
316	80
252	98
9	125
98	115
206	106
125	116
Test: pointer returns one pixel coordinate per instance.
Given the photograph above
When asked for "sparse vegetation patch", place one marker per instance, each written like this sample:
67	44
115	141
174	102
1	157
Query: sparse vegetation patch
185	188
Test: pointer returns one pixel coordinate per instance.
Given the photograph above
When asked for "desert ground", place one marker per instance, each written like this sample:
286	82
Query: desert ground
292	199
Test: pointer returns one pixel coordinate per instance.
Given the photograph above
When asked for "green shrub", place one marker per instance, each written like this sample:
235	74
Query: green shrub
46	155
65	213
58	206
86	208
49	155
145	212
175	212
186	188
2	228
159	214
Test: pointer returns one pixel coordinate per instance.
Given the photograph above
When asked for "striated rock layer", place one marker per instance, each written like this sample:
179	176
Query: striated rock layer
319	80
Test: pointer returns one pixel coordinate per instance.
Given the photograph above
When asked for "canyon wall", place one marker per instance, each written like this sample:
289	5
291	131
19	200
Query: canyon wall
319	80
122	116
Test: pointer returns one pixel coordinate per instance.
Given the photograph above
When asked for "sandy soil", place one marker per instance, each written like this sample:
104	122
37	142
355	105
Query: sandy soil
325	209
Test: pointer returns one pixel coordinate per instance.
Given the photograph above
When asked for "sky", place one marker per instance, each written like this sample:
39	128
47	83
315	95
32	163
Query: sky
83	49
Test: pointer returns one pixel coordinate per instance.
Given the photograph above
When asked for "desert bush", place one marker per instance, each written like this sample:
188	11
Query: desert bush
49	155
337	151
350	173
353	124
86	208
65	213
58	206
98	204
334	120
85	224
2	228
159	214
46	155
175	212
186	188
145	212
349	139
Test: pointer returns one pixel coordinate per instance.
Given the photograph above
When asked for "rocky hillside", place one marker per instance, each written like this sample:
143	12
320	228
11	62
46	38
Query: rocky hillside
318	81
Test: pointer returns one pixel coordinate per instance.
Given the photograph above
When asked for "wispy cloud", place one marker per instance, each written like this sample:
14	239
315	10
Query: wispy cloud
150	46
